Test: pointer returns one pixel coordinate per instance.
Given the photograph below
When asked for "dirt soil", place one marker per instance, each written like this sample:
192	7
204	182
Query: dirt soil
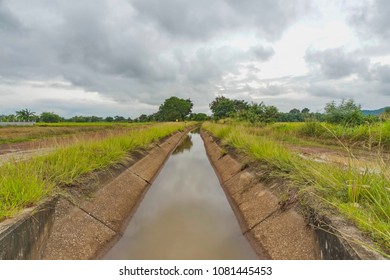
359	158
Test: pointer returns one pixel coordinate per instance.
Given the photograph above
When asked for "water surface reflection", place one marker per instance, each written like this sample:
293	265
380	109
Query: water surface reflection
184	215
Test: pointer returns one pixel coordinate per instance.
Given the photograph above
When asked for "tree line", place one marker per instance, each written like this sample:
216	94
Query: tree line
347	113
26	115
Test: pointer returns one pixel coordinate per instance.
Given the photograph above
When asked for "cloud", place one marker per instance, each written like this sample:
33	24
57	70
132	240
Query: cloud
140	52
8	22
372	20
204	19
336	63
381	73
262	53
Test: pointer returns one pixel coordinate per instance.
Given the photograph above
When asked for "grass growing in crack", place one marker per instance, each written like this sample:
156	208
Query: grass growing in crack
361	195
25	183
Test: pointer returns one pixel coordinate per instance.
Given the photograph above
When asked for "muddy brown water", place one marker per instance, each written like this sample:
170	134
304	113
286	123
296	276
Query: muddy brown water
184	215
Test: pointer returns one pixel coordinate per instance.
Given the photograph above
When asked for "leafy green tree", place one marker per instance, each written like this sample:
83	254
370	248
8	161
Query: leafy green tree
49	117
25	115
223	107
270	114
174	108
119	119
347	113
305	111
295	111
198	117
259	113
143	118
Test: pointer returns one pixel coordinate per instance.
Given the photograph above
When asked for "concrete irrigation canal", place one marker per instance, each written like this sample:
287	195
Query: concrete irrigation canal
184	215
184	198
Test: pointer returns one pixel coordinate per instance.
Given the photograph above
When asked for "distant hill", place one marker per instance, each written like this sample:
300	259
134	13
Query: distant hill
376	112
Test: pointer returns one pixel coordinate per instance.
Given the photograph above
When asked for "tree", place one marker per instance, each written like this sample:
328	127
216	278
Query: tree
386	114
259	113
223	107
305	111
49	117
119	119
346	113
174	108
143	118
25	115
198	117
295	111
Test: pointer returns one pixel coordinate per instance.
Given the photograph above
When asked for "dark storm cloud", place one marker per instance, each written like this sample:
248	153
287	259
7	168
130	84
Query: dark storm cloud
336	63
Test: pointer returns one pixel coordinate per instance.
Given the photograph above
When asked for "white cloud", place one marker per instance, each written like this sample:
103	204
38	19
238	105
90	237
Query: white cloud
119	57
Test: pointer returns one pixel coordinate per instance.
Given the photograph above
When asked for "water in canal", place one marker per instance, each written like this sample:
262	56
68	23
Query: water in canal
184	215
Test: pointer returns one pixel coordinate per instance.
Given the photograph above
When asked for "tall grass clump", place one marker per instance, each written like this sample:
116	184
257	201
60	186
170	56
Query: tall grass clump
21	185
363	196
25	183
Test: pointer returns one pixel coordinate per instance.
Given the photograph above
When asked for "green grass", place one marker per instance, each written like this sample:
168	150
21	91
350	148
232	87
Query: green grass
366	136
9	135
87	124
362	197
25	183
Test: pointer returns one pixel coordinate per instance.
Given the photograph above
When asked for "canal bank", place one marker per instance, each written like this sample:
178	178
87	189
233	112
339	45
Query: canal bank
275	220
82	219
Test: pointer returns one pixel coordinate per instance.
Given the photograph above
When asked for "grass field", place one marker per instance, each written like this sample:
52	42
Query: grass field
48	130
24	183
362	137
363	196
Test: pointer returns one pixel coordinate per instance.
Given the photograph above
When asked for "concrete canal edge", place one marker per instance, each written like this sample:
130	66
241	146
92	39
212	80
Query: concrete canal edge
77	225
25	236
274	229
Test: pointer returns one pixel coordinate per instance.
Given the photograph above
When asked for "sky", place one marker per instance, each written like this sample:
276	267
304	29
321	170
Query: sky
125	57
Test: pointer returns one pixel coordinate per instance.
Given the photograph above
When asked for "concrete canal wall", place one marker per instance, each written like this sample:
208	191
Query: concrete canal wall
83	225
279	229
